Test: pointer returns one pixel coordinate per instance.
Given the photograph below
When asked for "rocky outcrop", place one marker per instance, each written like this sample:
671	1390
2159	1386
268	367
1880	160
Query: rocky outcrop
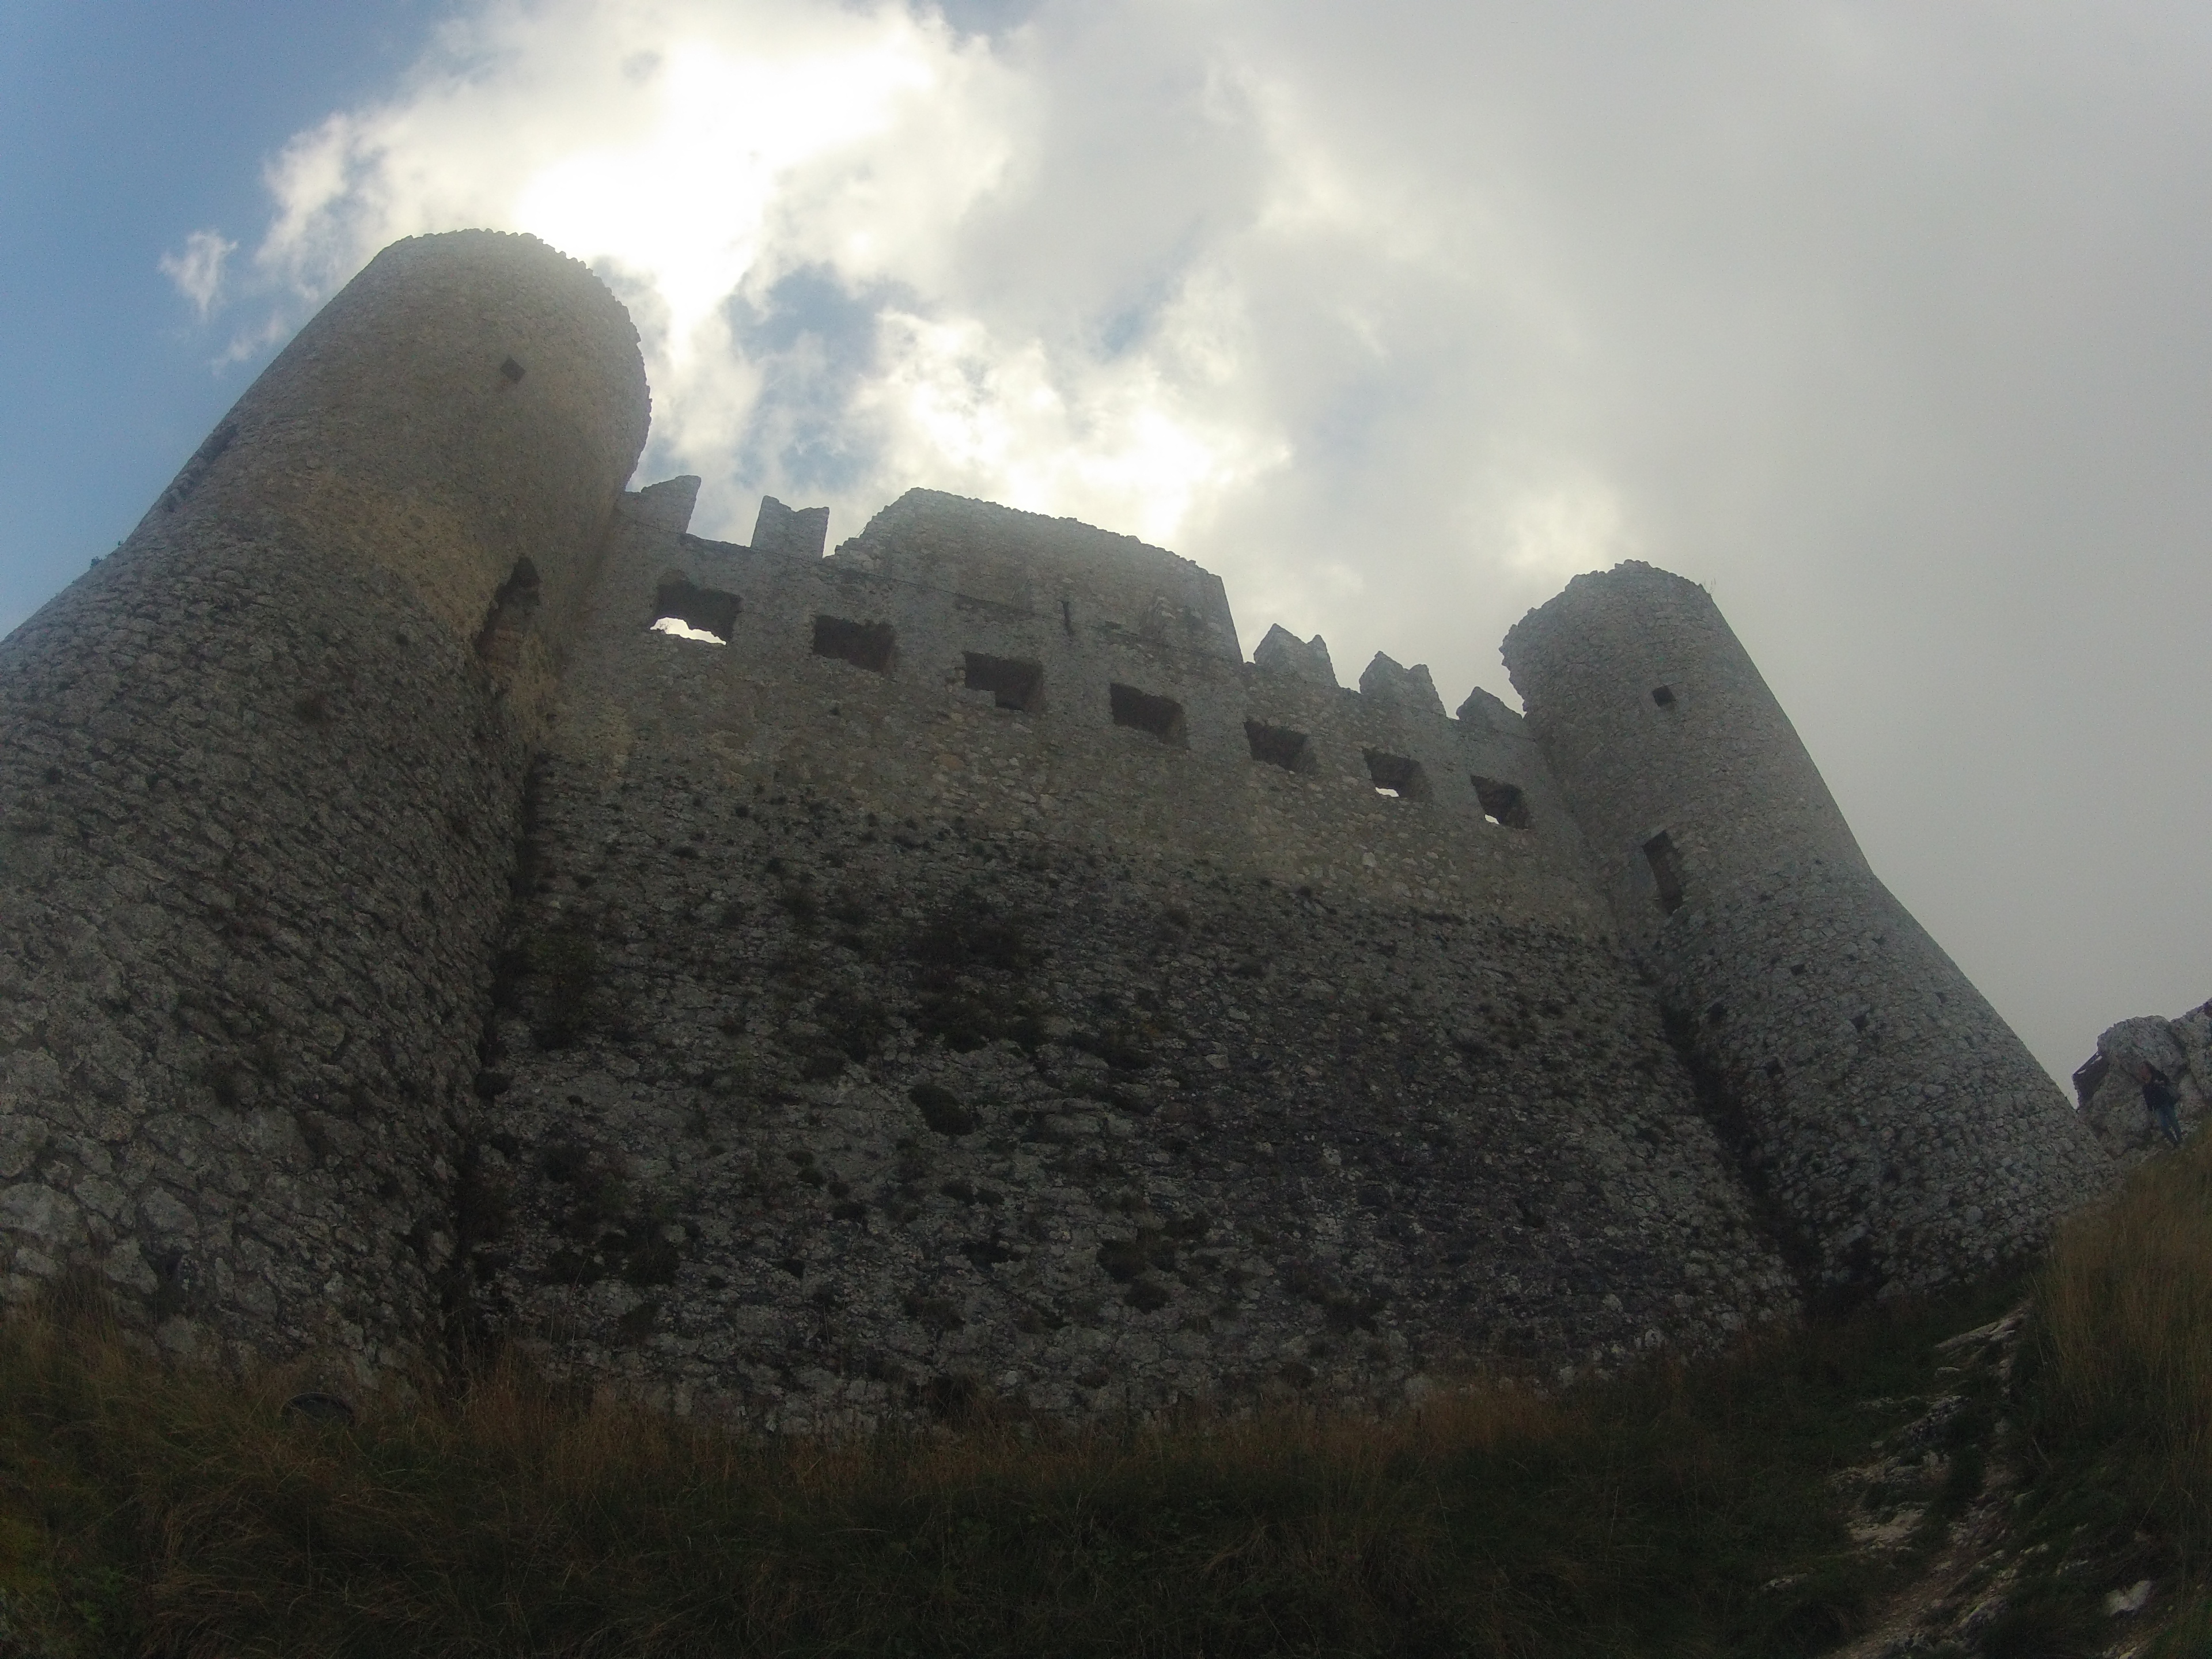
2112	1096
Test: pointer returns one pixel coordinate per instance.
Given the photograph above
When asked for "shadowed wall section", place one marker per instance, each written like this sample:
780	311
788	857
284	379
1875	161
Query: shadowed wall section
906	1009
260	772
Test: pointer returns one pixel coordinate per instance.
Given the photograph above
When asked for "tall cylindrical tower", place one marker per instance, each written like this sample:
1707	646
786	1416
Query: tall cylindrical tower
1901	1134
261	776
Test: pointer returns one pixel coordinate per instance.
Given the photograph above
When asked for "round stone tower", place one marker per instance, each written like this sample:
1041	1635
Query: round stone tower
261	786
1899	1132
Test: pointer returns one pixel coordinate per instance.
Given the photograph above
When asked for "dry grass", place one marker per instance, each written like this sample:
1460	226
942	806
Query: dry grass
2115	1396
2125	1307
1681	1511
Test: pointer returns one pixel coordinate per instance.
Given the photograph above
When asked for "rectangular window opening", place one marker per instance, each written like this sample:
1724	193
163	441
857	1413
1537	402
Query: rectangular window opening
1012	682
682	608
1666	870
1161	716
1503	803
1663	696
1279	746
1395	774
870	645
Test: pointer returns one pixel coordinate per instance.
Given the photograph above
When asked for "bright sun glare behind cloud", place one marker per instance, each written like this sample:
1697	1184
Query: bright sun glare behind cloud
1123	264
780	194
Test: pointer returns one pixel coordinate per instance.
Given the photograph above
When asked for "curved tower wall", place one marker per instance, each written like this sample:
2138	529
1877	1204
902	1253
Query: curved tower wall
1901	1132
261	776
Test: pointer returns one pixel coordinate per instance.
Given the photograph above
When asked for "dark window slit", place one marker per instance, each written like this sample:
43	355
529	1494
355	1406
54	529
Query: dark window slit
1143	712
1279	746
871	646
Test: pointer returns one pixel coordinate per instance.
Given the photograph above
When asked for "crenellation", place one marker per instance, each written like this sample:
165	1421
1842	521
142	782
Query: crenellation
940	968
789	534
1284	652
1411	688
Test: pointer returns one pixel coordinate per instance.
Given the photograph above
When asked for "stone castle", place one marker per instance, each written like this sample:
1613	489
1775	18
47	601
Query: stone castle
447	901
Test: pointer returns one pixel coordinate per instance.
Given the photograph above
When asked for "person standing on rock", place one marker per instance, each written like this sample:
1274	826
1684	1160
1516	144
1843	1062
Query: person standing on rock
2160	1100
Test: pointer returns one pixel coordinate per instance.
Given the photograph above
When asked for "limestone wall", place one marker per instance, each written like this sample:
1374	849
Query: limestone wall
946	966
260	773
915	738
868	1043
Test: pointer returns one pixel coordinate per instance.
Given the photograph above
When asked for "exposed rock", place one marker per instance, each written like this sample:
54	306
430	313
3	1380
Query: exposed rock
2112	1093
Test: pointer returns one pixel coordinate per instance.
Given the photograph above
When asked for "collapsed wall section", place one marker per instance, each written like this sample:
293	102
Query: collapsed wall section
1901	1128
259	774
901	1013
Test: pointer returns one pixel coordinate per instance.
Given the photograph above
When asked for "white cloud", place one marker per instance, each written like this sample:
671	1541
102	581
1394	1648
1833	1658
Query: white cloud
1554	531
1887	317
699	156
197	270
1129	441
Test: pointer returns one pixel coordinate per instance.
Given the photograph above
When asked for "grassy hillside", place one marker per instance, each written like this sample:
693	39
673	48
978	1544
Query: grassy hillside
1693	1510
2115	1413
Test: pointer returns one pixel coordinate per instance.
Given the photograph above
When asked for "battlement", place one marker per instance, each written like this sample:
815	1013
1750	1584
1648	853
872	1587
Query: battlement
1099	697
450	901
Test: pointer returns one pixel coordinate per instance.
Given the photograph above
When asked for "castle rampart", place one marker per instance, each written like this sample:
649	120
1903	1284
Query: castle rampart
996	1035
947	966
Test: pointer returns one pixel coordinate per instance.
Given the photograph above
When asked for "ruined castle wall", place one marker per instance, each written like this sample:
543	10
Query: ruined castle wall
1901	1128
914	737
260	774
952	970
866	1045
1045	567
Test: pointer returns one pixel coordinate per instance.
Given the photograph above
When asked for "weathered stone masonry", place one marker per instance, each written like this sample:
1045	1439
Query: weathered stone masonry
952	969
258	798
1903	1131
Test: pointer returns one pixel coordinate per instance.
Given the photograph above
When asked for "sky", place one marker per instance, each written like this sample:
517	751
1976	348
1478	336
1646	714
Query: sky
1890	322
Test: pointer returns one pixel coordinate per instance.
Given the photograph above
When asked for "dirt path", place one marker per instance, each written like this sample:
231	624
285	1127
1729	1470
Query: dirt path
1968	1583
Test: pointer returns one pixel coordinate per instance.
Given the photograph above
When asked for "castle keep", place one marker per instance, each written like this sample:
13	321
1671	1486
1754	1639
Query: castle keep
446	900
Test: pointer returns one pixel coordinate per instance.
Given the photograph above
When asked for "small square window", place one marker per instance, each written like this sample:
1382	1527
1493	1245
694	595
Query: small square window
1395	774
1279	746
1503	803
1012	682
864	645
1663	696
1161	716
697	612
